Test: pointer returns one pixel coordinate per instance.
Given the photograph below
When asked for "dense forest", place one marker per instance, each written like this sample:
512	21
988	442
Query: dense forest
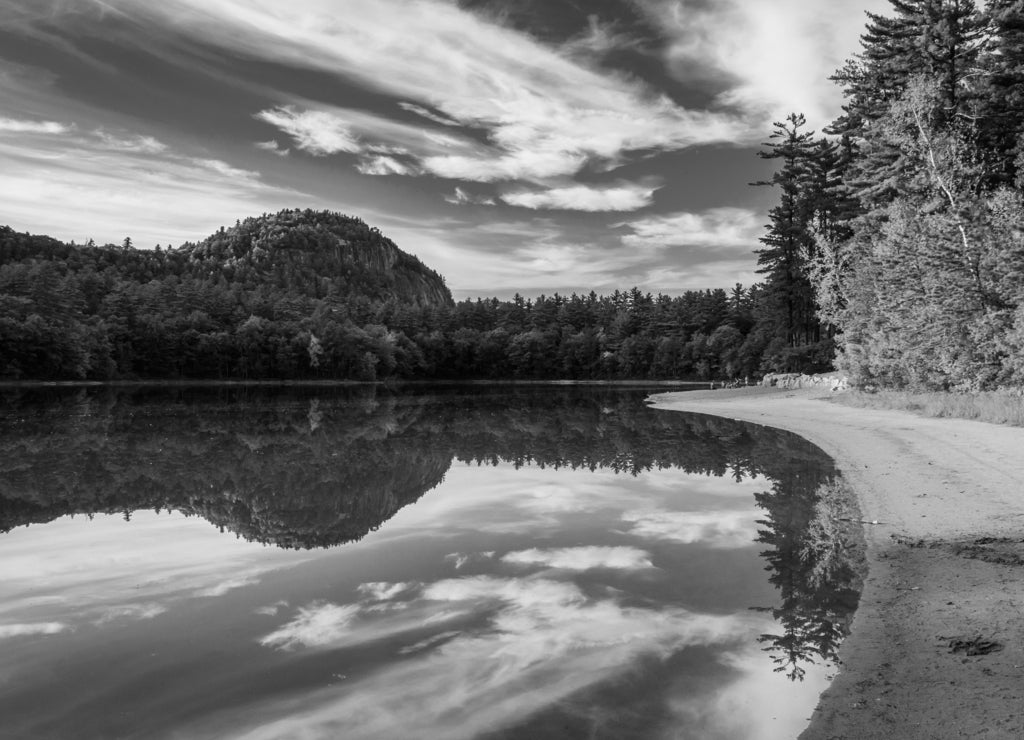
896	251
902	229
317	295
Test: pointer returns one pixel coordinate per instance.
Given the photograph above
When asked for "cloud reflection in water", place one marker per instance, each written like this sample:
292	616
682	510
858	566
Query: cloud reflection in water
540	640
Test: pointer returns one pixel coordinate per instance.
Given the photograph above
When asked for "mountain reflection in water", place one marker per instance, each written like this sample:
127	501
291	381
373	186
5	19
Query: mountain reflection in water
315	468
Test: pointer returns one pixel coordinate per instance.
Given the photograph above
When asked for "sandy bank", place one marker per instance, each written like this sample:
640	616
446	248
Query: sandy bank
946	564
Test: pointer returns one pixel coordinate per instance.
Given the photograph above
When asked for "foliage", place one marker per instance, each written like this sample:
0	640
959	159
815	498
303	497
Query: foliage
316	295
925	285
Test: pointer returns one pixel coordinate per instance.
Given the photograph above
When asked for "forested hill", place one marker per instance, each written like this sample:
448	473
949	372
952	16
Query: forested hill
87	311
314	295
317	254
314	254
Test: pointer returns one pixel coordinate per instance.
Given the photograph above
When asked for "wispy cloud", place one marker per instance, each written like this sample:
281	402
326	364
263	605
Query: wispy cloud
316	132
130	143
543	640
737	228
35	628
111	185
229	584
422	112
149	565
544	114
461	197
20	126
315	625
724	529
383	591
273	147
602	38
147	610
582	558
623	197
384	165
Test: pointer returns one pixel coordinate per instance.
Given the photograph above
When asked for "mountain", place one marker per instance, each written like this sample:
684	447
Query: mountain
296	294
318	253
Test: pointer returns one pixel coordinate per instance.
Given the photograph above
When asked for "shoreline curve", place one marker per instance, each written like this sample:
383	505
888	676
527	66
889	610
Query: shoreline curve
937	643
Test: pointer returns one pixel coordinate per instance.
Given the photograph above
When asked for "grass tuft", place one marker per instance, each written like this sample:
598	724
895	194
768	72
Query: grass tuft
996	407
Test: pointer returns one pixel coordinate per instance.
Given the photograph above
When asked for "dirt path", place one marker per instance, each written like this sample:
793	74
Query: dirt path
937	647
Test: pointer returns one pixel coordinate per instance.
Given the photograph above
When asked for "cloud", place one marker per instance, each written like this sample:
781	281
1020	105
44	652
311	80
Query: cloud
419	110
271	610
130	611
116	185
37	628
723	529
379	591
428	643
532	643
544	114
273	147
316	625
383	146
138	570
771	59
602	38
582	558
382	165
230	584
625	197
141	144
717	228
17	126
739	709
317	132
461	197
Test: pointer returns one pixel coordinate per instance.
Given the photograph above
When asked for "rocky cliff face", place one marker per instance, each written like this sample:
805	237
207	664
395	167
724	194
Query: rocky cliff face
319	253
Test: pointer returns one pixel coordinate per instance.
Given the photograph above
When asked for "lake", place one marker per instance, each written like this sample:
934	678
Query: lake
423	562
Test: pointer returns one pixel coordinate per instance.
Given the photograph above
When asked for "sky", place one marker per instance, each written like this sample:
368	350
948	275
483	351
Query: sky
530	146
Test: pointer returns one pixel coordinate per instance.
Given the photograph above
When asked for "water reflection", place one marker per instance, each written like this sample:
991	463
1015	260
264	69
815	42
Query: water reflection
351	460
581	570
814	561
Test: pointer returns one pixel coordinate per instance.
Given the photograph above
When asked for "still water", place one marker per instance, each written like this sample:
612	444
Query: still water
460	562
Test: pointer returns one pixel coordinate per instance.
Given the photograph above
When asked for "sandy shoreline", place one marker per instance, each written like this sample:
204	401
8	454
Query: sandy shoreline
945	564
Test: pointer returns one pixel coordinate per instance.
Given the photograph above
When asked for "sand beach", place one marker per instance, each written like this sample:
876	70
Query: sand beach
937	645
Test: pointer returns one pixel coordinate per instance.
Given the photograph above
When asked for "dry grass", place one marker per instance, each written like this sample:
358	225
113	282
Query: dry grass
997	407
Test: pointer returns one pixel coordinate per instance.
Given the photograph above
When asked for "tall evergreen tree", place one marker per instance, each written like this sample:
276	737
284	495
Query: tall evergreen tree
940	39
1002	109
806	181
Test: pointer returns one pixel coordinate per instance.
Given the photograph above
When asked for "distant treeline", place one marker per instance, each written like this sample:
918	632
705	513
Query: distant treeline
306	295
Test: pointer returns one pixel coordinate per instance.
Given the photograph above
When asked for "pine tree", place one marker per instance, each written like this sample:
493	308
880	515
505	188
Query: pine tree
940	39
806	181
1002	108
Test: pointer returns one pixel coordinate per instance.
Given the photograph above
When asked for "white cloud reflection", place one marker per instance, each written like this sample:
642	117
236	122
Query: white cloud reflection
724	529
107	569
34	628
541	641
582	558
315	625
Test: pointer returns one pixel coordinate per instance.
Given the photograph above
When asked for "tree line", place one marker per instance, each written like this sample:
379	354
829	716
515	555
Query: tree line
895	250
274	298
900	232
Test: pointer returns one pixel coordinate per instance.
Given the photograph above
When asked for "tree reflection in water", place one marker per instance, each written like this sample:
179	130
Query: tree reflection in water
814	561
313	468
